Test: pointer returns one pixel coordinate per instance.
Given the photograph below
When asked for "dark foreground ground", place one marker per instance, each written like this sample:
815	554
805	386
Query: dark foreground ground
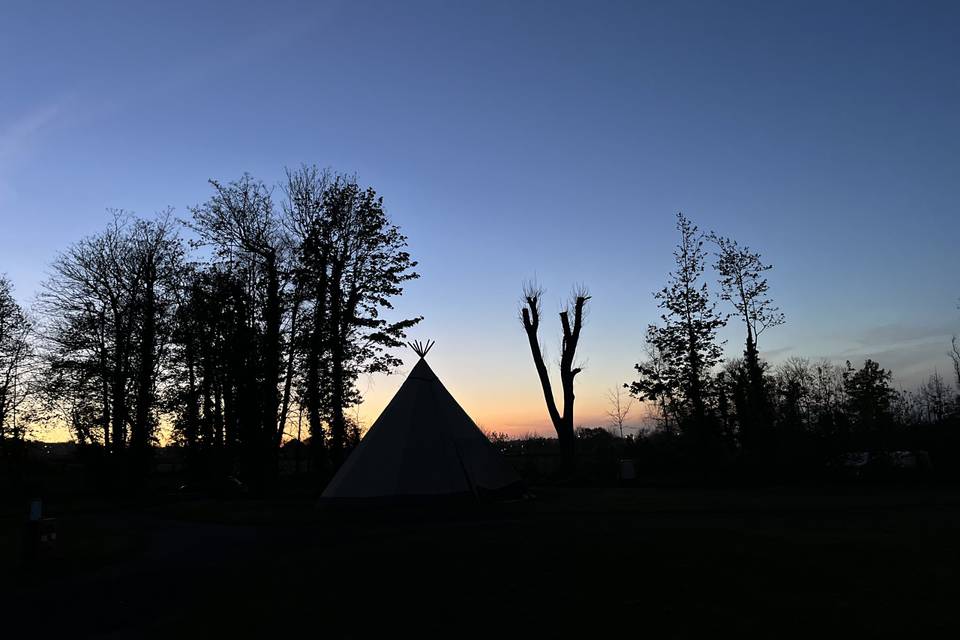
863	562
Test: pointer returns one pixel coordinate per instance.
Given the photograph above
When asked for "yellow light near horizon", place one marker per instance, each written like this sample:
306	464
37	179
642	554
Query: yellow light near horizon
517	411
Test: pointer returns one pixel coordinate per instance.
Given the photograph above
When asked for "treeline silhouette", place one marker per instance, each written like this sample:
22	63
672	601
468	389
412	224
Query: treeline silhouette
261	309
275	304
743	416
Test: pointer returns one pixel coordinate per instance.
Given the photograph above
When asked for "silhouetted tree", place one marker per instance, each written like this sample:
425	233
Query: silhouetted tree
75	383
107	306
158	260
793	443
936	398
89	308
618	408
732	393
350	263
213	386
827	391
312	228
955	358
15	355
661	389
686	341
744	286
869	398
240	223
366	266
530	318
793	380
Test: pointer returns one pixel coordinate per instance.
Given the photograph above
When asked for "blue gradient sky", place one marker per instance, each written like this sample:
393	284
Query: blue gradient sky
526	138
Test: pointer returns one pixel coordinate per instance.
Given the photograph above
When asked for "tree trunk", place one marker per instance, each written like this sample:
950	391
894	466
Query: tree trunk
140	433
204	428
271	366
335	329
314	400
104	385
192	428
318	339
218	415
562	423
288	375
338	419
119	389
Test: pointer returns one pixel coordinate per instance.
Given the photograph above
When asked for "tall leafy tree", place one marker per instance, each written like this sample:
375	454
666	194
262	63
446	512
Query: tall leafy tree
869	400
240	223
657	385
368	266
686	340
213	372
291	309
311	225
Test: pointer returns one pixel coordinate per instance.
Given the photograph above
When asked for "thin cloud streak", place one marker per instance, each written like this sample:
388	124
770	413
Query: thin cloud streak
18	137
246	48
900	333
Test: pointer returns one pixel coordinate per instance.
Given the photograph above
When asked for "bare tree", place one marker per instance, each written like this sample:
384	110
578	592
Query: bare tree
936	398
530	317
793	382
955	357
743	285
240	223
88	305
619	407
107	306
15	352
157	256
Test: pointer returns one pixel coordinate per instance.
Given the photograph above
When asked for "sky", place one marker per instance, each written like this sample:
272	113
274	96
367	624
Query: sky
519	140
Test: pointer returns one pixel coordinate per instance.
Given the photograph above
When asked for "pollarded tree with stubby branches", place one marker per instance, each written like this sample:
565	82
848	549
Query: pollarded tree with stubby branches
686	341
530	318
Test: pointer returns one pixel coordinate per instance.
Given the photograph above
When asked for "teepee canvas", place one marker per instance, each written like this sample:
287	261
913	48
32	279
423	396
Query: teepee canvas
423	445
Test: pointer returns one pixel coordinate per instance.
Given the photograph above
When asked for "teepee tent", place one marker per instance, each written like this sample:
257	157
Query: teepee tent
423	445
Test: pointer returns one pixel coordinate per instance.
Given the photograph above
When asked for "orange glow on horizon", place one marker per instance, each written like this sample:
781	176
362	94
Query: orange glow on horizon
517	408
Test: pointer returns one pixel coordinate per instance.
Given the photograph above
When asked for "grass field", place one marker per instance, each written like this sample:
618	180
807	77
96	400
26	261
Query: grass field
572	562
